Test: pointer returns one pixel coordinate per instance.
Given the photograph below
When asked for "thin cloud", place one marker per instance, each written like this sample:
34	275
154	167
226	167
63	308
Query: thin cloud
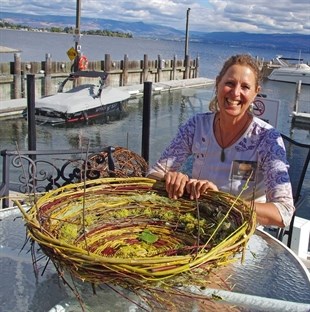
260	16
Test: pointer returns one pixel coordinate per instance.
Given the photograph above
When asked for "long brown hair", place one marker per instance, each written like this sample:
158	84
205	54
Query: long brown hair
239	59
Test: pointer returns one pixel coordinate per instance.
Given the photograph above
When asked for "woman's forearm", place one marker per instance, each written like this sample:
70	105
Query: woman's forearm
268	214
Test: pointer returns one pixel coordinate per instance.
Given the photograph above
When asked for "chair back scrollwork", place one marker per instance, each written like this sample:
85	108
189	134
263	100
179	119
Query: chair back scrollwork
32	172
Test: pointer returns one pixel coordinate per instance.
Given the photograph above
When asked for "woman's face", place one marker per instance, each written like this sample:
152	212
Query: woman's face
236	90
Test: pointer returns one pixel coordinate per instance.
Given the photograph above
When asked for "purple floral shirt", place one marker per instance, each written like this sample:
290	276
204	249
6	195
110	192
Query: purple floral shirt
255	166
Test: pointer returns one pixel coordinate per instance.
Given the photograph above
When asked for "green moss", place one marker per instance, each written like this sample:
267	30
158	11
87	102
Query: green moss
68	232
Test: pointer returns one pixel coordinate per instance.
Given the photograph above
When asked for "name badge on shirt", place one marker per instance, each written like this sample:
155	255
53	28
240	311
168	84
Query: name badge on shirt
243	170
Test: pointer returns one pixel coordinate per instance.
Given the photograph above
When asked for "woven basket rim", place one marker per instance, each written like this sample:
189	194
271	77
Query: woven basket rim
87	263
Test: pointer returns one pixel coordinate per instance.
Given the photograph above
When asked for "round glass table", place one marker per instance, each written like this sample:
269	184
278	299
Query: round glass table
271	278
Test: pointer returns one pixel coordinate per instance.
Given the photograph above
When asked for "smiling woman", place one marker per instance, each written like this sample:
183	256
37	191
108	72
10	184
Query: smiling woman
230	133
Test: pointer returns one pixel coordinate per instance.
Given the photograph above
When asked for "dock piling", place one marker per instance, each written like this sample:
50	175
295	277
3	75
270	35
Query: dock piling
297	96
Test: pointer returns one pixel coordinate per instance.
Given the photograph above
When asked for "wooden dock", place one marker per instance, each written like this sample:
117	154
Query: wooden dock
301	118
157	87
11	108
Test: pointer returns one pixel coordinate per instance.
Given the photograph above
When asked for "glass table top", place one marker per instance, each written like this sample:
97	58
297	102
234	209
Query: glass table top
271	278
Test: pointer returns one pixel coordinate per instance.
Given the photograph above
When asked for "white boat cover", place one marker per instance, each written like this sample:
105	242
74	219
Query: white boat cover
81	98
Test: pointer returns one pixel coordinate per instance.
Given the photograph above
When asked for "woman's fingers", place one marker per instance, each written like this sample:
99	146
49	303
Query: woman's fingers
197	187
175	184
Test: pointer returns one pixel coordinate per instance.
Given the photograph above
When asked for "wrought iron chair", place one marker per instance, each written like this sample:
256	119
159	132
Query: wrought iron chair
298	156
41	171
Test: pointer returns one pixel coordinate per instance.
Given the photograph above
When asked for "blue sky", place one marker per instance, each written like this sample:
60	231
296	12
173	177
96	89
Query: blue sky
256	16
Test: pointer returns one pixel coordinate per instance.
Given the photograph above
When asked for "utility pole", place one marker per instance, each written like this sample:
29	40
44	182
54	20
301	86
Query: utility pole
186	34
77	35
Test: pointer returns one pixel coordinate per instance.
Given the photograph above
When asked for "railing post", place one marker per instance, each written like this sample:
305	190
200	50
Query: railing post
186	73
111	165
31	112
5	187
146	119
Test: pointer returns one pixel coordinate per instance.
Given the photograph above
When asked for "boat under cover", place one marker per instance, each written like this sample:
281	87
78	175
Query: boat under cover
80	103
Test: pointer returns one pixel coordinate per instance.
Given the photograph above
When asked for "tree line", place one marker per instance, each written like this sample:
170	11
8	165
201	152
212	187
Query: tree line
67	30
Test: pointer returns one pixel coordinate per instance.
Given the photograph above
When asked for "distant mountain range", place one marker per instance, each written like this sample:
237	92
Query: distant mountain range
289	42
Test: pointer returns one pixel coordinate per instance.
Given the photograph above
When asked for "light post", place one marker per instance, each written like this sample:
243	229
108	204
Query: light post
77	35
186	34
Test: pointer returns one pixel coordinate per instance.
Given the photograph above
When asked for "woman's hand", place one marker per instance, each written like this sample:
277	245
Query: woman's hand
197	187
175	184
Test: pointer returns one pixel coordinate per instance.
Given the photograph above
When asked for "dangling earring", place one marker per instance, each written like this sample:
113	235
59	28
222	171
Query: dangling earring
217	106
213	105
251	108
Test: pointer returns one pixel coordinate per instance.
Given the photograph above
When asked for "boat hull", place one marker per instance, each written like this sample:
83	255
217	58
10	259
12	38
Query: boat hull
110	111
292	75
290	79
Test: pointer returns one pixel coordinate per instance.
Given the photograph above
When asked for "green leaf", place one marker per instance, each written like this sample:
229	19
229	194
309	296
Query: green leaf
148	237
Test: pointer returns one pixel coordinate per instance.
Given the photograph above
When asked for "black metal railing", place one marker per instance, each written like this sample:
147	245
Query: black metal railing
32	172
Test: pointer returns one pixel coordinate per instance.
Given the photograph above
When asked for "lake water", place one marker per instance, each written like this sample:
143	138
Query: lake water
168	109
35	45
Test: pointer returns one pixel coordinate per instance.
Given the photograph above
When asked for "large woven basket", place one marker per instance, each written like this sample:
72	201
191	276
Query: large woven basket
127	232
